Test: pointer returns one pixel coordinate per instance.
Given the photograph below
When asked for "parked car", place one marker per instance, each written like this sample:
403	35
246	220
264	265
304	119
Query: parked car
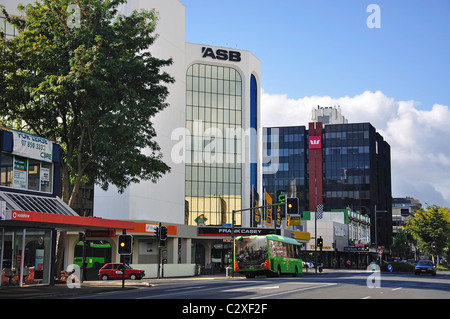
114	271
425	267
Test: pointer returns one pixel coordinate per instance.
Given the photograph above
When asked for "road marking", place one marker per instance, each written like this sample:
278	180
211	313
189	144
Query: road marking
178	292
272	287
178	289
368	297
250	288
397	288
294	290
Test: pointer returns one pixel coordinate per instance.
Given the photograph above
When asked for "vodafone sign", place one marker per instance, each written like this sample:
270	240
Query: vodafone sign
315	142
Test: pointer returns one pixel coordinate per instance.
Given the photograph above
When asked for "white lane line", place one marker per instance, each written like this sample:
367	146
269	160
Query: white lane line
368	297
185	288
397	288
250	288
182	292
294	290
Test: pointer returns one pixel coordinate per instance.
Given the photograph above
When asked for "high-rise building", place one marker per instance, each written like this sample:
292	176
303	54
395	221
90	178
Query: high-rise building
339	165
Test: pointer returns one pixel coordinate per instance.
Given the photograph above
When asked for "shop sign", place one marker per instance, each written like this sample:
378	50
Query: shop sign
323	248
227	231
221	54
20	173
315	142
111	233
31	146
354	249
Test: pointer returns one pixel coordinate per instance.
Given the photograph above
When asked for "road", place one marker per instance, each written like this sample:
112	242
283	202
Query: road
328	285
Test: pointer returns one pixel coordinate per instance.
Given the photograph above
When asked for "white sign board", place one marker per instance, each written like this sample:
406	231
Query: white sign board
31	146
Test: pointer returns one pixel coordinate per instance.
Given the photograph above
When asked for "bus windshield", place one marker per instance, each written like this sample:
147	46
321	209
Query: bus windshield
251	252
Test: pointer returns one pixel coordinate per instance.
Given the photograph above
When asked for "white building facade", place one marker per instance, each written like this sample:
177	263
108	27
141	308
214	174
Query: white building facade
208	137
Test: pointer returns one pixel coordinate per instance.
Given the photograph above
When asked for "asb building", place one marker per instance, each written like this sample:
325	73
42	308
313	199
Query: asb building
208	137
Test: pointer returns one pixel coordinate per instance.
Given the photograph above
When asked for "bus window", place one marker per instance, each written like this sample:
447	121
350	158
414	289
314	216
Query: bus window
251	253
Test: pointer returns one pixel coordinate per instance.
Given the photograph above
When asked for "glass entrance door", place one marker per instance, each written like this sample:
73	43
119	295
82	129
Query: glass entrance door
25	257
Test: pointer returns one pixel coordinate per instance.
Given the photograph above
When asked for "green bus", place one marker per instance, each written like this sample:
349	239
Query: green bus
270	255
97	254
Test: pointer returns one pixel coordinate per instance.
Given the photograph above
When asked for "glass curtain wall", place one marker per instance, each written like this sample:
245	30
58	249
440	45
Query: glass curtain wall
213	144
292	162
347	166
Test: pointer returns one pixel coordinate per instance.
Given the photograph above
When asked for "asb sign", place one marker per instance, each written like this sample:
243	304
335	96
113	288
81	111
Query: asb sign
221	54
315	142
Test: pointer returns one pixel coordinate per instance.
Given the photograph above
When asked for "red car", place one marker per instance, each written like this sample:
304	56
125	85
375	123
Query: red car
114	271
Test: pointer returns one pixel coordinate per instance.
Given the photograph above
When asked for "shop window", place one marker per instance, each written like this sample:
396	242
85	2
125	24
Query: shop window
6	170
26	257
33	175
22	173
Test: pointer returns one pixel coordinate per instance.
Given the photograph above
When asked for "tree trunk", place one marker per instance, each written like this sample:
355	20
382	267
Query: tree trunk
61	236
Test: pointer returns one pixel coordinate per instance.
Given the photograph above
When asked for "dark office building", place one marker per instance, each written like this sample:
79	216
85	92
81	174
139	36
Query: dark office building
349	164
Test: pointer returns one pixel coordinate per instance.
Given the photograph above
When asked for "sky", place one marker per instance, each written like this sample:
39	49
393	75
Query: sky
389	66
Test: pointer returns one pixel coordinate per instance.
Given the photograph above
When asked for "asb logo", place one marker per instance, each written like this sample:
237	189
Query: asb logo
315	142
221	54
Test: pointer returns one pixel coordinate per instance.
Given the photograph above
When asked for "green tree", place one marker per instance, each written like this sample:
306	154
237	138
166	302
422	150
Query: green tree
84	76
400	244
93	88
428	226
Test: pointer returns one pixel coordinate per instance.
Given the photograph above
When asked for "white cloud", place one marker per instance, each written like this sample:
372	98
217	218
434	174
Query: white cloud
419	139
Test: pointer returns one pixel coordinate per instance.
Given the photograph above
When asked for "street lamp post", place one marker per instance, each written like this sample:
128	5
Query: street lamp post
376	231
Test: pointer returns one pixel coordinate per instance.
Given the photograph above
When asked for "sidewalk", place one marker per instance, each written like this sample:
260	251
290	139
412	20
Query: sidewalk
62	290
88	287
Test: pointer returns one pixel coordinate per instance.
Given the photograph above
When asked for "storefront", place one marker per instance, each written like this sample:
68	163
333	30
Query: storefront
31	213
25	256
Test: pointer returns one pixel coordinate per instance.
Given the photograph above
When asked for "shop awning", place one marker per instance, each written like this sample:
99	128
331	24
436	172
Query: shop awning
51	212
34	203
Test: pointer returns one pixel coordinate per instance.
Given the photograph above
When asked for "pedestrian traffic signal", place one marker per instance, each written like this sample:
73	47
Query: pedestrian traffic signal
125	246
292	206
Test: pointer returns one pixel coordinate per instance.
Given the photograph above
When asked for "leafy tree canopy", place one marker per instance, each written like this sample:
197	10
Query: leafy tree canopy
431	225
85	77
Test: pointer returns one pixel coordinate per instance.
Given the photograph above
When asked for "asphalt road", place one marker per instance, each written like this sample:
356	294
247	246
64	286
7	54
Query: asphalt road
331	285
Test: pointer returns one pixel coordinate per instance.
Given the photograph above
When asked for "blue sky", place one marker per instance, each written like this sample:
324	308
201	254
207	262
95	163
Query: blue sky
321	52
324	47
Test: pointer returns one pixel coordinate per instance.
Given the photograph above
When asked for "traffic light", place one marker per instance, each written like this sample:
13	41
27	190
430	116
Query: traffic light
366	247
320	242
125	246
433	246
292	206
163	233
